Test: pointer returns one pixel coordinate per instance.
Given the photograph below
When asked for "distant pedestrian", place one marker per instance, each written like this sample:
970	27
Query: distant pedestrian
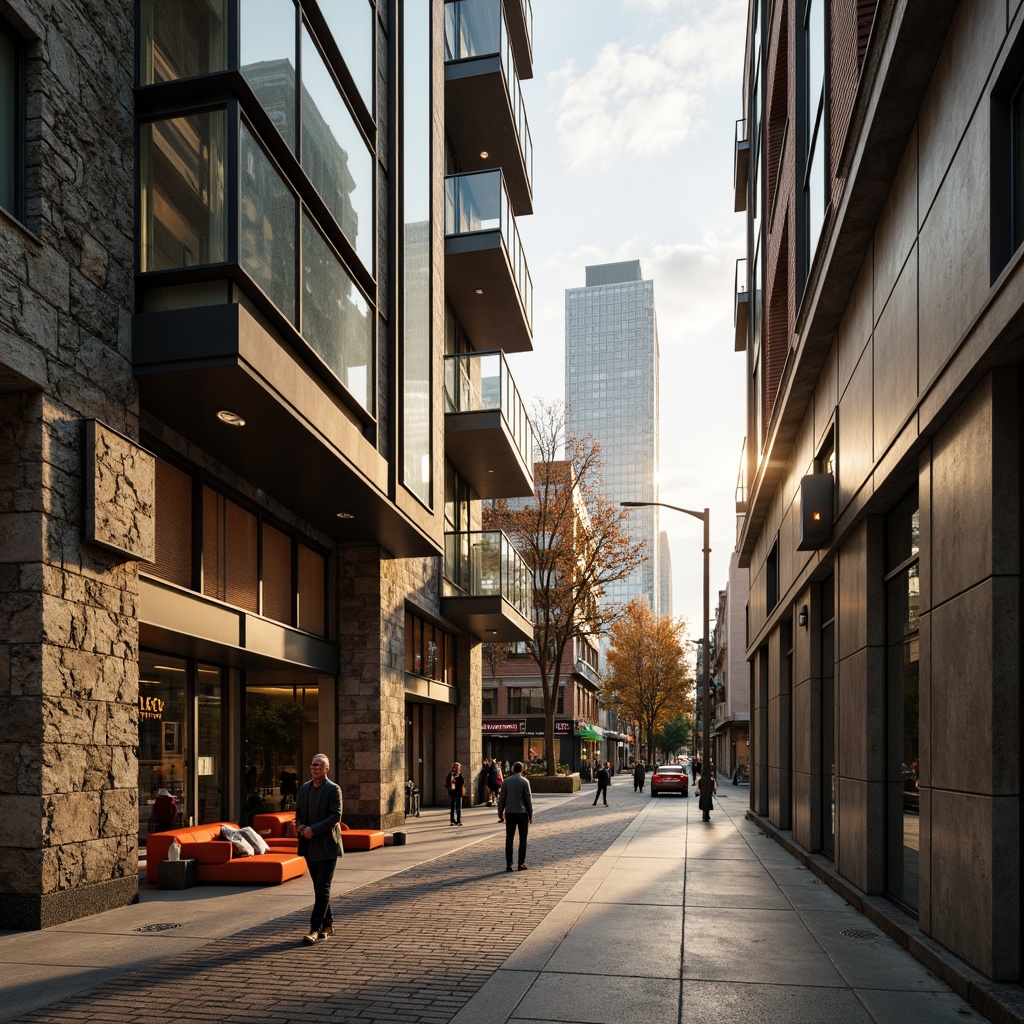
604	776
707	788
493	782
317	817
455	786
639	773
695	765
515	808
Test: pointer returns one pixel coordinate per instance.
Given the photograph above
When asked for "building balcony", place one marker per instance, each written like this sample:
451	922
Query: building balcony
487	433
486	276
741	166
519	18
485	117
488	587
741	310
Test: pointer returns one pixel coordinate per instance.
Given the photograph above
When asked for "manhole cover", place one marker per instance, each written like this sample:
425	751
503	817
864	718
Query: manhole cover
157	927
859	933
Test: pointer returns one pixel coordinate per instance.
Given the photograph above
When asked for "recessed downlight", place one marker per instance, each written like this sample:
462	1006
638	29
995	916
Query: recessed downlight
484	154
232	419
479	291
344	515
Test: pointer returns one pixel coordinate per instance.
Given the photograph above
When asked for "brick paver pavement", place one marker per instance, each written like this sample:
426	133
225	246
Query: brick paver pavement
411	948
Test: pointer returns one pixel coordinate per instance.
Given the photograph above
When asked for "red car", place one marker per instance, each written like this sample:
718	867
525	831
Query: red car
670	778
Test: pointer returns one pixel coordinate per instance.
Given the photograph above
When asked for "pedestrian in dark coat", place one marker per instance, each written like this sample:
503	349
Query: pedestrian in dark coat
639	773
707	788
604	776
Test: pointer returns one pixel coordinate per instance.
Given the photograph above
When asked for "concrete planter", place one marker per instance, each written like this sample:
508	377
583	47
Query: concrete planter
555	783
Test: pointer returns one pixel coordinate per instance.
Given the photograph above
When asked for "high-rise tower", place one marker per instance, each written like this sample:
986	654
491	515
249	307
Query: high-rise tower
611	394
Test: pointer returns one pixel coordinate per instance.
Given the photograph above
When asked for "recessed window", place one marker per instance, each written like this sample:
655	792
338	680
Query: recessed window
181	39
12	122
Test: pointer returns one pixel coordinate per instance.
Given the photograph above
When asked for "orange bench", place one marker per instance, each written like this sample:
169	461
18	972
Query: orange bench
271	824
214	860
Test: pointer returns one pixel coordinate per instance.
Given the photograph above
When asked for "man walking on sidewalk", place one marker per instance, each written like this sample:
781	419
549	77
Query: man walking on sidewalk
604	776
515	808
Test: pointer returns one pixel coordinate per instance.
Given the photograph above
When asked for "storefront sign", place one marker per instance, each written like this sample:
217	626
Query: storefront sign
505	726
151	707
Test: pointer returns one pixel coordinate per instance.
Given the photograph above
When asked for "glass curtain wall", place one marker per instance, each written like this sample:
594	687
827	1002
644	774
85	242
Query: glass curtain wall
902	587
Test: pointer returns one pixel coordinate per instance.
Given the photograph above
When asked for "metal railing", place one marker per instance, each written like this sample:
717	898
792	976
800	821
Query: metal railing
483	563
479	202
482	381
476	28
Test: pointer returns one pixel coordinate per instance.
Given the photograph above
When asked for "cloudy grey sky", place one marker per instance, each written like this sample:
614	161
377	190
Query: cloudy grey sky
632	111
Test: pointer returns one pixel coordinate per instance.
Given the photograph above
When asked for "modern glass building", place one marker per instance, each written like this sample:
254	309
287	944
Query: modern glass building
611	394
260	265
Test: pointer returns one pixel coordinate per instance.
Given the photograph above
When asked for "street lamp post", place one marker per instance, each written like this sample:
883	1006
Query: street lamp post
705	696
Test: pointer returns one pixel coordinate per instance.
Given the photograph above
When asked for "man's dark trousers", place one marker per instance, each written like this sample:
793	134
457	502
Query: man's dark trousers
513	822
322	873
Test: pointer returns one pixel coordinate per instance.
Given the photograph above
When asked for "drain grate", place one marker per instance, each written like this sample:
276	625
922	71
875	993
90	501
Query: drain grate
859	933
156	927
815	881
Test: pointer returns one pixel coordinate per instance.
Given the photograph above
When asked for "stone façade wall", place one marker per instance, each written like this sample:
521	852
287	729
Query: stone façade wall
68	609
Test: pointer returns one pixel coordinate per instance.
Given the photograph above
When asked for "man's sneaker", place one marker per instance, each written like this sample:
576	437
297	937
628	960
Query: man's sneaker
326	930
311	938
522	867
508	867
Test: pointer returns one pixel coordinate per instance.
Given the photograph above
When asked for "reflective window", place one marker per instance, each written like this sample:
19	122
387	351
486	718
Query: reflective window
181	39
10	121
211	768
334	153
163	791
266	225
268	59
816	160
181	174
351	24
416	121
1017	157
336	320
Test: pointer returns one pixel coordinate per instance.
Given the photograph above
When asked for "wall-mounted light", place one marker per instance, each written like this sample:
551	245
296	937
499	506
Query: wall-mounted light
802	617
232	419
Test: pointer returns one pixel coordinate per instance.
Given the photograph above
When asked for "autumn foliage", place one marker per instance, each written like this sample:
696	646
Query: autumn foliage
576	542
649	680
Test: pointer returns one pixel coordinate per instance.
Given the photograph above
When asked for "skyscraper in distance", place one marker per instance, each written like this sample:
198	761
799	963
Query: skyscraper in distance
611	394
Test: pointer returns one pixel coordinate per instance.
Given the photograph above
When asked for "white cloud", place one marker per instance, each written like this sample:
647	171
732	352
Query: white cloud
647	98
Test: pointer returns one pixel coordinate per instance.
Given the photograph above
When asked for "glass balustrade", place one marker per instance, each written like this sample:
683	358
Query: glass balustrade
476	28
481	381
479	202
483	563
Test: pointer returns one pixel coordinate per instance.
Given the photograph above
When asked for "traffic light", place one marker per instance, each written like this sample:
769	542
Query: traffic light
816	511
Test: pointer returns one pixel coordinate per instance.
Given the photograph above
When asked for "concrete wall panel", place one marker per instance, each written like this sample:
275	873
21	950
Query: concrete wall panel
855	326
895	355
856	433
896	232
954	252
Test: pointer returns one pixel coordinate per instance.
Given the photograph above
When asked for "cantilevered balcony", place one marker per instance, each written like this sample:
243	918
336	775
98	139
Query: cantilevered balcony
485	117
487	433
519	18
740	315
486	276
488	587
741	166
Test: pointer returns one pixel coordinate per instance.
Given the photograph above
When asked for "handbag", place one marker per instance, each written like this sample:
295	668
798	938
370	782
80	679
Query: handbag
463	789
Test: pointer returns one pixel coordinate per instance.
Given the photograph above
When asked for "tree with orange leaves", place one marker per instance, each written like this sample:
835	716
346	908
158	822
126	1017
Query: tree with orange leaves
576	542
649	680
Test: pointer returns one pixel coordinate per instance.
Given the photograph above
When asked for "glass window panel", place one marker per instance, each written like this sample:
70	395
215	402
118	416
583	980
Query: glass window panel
336	320
163	793
267	226
334	153
815	189
181	39
173	525
815	52
1017	132
415	330
351	23
181	176
211	755
8	122
229	552
277	575
268	61
312	574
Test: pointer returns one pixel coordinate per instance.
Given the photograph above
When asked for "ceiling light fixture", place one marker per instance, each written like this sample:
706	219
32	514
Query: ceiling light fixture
344	515
479	291
484	154
232	419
